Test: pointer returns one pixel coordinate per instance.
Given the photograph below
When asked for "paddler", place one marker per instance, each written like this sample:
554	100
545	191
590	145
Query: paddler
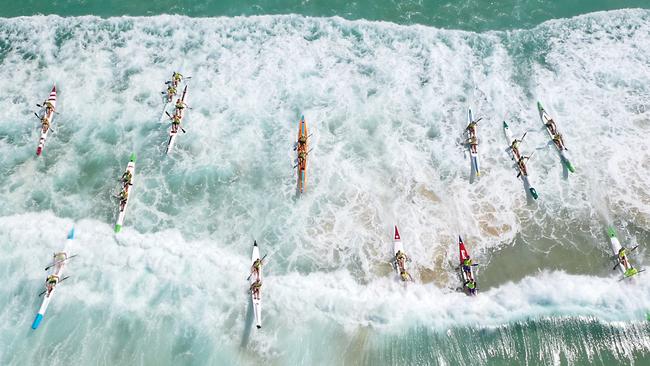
302	156
176	77
515	145
176	122
255	268
471	286
622	258
255	289
400	258
405	276
557	139
180	105
126	178
48	107
45	123
467	268
302	140
124	197
60	257
171	91
550	124
522	164
471	127
50	282
473	143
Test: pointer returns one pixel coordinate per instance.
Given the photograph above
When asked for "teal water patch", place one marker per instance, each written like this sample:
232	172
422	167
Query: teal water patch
472	15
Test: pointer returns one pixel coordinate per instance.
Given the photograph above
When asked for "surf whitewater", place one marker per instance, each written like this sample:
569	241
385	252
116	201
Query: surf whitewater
387	106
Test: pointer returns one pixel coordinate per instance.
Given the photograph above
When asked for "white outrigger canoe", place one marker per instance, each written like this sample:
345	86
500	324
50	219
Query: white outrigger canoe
130	167
524	177
56	276
257	302
398	247
626	268
473	153
172	133
49	114
561	150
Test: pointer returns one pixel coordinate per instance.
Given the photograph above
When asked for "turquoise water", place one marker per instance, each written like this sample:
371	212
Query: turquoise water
386	102
472	15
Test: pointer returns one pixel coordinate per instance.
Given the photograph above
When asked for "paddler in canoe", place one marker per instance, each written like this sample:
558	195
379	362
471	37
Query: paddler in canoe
622	259
471	287
176	122
255	268
176	78
180	105
45	123
550	124
124	197
473	144
126	179
471	127
49	108
521	163
467	268
51	282
557	139
171	91
400	260
255	289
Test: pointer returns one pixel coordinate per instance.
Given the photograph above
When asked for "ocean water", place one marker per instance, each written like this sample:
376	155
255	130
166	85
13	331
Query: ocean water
386	99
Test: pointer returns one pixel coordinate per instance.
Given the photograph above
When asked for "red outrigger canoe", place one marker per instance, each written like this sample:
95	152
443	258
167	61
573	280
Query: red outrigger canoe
464	275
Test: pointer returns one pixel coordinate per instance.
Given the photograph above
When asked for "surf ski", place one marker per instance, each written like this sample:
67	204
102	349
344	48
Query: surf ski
256	284
126	183
400	259
177	118
46	116
466	273
303	152
55	277
556	137
519	159
621	255
472	141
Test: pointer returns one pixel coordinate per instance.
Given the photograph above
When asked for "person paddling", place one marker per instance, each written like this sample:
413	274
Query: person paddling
405	276
51	282
522	164
124	197
255	268
126	178
467	268
471	286
550	124
255	289
176	122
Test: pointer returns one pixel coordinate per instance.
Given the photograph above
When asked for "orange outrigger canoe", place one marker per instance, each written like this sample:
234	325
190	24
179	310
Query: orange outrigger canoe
303	151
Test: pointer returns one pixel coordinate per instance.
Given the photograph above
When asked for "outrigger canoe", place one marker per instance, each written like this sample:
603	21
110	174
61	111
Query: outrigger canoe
623	264
47	113
303	152
559	144
174	132
400	257
257	301
466	276
473	150
515	156
130	167
56	276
